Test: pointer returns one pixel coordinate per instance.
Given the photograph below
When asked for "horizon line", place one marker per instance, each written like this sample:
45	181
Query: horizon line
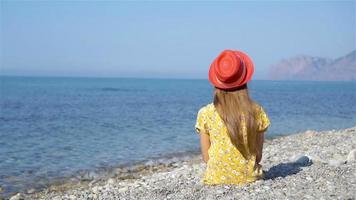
160	78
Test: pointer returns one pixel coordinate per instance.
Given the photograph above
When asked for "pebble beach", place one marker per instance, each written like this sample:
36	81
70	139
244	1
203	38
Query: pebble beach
308	165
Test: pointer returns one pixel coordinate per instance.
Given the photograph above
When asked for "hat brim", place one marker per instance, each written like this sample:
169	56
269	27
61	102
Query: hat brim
249	71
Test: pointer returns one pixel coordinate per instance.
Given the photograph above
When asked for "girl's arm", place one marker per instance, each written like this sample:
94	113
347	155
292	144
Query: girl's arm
263	126
259	147
204	145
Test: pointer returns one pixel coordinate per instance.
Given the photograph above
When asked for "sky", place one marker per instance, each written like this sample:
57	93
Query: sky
166	39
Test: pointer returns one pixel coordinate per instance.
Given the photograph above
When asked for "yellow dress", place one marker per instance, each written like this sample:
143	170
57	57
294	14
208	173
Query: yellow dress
226	165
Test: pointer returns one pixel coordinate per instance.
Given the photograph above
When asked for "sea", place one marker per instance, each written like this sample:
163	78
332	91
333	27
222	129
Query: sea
54	127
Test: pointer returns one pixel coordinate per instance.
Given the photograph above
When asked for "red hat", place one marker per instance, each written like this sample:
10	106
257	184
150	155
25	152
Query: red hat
231	69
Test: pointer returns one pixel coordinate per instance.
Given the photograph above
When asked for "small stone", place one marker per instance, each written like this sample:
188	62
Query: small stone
316	159
31	191
92	183
307	196
95	196
352	156
72	197
220	191
56	198
301	159
336	163
88	176
111	181
95	189
123	189
18	196
266	188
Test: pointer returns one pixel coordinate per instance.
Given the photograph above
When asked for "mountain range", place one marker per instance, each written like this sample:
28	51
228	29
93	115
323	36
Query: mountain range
315	68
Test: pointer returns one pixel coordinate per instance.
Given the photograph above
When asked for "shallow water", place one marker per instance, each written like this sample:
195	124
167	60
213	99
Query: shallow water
54	127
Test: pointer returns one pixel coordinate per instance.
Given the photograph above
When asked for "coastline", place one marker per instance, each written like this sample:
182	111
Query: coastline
303	165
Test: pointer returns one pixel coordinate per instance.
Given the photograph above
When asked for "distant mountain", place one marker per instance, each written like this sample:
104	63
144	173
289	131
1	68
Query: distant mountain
315	68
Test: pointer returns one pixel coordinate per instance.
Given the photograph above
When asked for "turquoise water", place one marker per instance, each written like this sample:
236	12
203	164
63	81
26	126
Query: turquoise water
55	127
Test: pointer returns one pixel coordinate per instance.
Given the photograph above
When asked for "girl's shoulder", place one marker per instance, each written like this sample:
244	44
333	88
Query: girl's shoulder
258	107
207	109
262	117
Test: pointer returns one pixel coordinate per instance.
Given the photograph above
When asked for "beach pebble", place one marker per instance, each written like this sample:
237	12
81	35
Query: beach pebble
170	196
220	191
30	191
89	176
94	196
18	196
316	159
111	181
123	189
95	189
352	156
303	160
336	163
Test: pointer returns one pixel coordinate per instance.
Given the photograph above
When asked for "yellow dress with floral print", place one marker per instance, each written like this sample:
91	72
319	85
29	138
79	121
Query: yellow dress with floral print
226	165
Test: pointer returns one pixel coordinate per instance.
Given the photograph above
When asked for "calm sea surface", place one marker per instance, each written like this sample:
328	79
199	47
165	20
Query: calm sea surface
55	127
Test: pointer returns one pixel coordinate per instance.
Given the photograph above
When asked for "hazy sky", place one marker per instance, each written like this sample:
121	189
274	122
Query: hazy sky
166	39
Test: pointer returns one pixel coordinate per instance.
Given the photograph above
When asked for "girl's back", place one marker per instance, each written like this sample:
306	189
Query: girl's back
226	165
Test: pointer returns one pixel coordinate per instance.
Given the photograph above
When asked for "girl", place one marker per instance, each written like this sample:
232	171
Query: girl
232	127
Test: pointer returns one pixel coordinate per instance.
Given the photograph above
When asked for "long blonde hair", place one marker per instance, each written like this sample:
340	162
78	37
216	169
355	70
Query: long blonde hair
236	108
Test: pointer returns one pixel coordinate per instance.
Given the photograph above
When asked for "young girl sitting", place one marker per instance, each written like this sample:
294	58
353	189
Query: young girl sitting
232	127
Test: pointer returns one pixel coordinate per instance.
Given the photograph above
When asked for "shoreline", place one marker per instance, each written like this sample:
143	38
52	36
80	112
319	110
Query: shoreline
83	178
121	171
132	169
284	158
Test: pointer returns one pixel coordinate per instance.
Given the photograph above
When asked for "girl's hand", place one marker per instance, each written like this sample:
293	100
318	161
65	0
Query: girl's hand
257	166
204	145
258	170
